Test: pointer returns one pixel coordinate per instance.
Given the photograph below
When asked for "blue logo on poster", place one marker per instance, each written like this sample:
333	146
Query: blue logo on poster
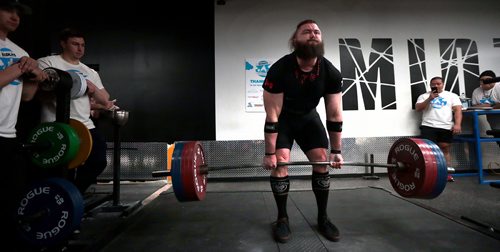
248	66
262	68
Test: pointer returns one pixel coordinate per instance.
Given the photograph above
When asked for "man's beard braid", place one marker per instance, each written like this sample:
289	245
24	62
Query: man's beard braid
308	51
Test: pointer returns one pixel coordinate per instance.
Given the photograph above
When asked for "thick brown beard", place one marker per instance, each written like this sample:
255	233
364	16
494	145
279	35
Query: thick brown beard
308	51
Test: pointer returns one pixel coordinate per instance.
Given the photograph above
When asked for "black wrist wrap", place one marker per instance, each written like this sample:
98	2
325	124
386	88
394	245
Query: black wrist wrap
271	127
334	126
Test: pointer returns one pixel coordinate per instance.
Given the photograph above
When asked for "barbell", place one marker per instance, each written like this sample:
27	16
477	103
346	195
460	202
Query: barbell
416	167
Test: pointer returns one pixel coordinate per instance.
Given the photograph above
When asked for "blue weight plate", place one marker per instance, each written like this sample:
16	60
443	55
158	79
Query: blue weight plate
176	173
442	170
49	212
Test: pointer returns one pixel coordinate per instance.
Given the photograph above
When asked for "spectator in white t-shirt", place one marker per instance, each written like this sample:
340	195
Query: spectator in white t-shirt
73	49
488	95
19	78
441	116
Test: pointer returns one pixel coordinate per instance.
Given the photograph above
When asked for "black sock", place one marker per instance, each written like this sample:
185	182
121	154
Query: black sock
280	188
321	188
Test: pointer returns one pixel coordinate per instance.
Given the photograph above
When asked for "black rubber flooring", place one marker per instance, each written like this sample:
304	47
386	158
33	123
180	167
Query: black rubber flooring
369	219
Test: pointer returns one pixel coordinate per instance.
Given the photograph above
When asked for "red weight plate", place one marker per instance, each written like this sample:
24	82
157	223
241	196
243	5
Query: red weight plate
442	170
430	169
407	182
194	182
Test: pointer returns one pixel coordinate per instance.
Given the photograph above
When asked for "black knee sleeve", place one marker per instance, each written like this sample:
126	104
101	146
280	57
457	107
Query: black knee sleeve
320	181
280	186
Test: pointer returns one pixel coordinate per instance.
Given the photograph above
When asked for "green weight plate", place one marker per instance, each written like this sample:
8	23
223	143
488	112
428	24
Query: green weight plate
74	143
62	144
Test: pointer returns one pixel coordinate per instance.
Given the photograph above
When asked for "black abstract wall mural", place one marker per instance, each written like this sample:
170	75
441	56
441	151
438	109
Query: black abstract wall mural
496	42
375	82
370	84
418	75
459	59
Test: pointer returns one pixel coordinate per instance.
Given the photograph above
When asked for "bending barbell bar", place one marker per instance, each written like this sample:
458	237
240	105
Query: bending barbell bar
205	168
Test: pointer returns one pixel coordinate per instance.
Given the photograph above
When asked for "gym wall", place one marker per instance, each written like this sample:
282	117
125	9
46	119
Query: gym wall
181	71
185	80
157	62
386	50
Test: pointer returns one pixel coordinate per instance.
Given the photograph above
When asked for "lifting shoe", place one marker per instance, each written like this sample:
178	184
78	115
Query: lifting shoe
281	230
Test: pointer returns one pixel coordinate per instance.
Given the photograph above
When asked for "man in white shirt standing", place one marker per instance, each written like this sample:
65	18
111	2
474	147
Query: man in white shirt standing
441	117
19	78
73	49
487	95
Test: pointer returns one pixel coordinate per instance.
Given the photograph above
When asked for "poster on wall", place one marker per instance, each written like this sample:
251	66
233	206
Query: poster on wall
255	73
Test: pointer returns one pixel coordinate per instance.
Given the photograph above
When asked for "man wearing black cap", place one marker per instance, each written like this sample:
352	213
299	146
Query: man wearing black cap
15	65
488	95
20	8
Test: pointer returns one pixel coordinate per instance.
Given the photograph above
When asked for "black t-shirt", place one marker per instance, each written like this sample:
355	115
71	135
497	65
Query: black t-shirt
302	91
